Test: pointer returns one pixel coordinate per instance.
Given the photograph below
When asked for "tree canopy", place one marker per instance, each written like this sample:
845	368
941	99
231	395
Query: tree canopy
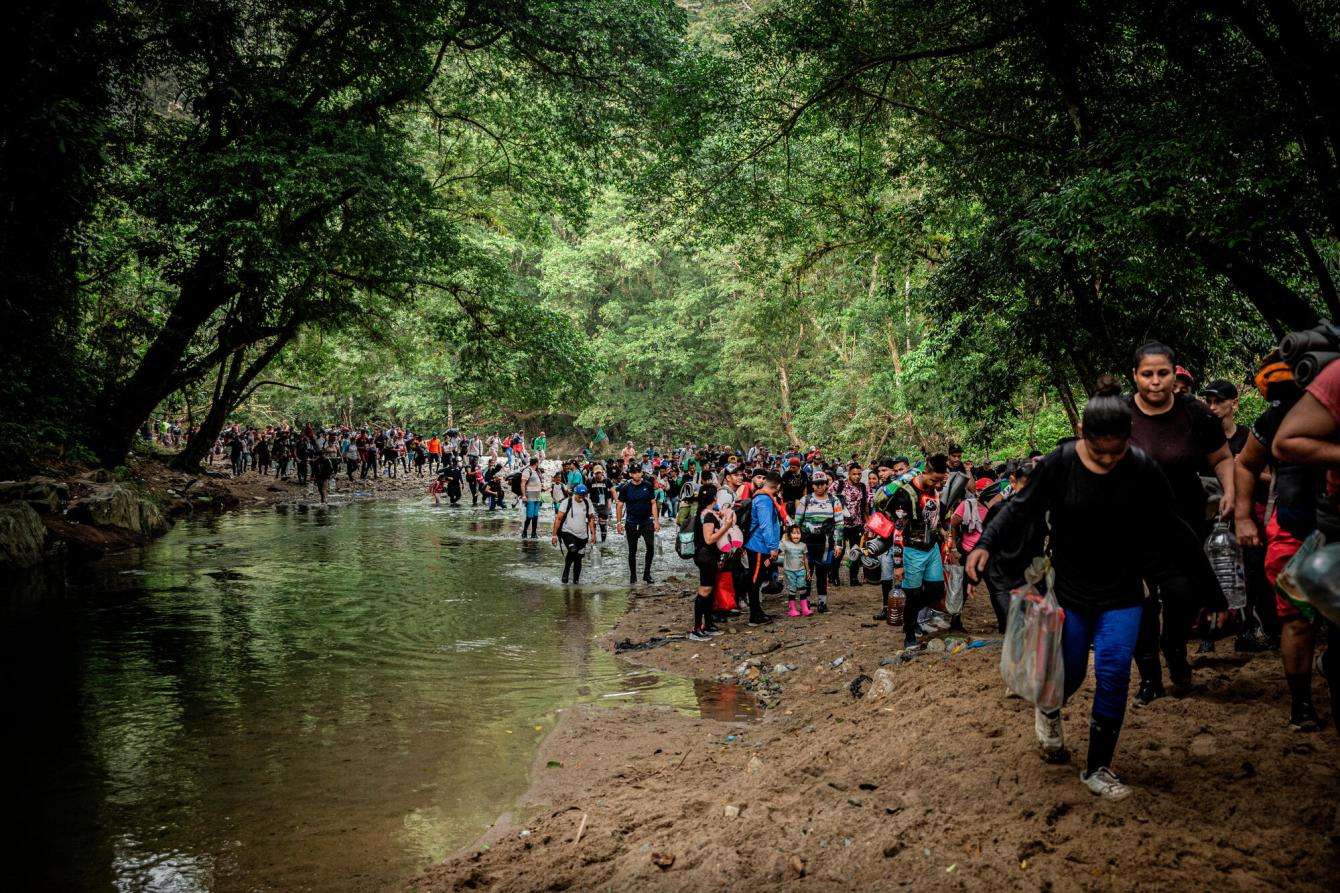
869	225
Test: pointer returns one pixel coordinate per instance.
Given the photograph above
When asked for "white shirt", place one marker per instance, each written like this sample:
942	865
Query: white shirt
577	518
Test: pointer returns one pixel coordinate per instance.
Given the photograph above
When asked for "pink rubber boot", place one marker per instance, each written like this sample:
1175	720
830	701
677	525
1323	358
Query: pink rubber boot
805	607
791	608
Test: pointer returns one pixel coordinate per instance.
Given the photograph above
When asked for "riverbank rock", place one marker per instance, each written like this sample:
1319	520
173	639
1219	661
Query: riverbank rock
22	535
43	494
116	505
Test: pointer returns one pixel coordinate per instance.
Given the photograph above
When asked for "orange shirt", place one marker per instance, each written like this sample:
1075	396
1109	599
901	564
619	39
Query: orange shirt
434	445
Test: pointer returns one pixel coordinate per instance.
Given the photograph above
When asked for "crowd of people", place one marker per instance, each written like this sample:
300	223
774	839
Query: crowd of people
1123	513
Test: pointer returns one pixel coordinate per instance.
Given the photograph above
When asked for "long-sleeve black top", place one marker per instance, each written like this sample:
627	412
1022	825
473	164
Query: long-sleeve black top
1108	531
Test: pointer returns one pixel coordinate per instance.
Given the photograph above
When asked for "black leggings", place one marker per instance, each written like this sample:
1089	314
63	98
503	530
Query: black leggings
572	559
647	533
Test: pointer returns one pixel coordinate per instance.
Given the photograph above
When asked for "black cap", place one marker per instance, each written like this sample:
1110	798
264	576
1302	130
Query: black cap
1220	390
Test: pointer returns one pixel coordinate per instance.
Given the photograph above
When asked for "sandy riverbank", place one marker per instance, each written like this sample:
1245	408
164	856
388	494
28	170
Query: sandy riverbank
933	783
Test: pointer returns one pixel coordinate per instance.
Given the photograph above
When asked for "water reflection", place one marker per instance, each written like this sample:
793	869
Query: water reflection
309	699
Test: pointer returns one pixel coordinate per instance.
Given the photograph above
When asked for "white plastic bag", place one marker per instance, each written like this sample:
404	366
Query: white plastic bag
1030	658
955	591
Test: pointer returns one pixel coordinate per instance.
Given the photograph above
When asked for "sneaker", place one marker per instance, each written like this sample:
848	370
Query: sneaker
823	607
1303	718
882	616
1149	693
760	621
713	631
697	636
1050	736
910	643
1103	783
648	579
1205	647
632	581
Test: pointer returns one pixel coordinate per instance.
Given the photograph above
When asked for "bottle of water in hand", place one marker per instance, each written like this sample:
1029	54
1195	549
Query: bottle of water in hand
1226	559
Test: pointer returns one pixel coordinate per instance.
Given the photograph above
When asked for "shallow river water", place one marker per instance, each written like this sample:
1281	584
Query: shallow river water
301	698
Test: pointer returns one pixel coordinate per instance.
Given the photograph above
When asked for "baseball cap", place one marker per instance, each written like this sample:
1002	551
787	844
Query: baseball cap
731	468
819	477
795	460
1181	372
580	489
1220	389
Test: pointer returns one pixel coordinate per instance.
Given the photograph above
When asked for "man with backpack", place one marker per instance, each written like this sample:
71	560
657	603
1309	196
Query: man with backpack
575	524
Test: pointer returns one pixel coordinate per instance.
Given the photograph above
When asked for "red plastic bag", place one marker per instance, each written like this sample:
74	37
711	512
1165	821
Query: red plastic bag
723	596
880	525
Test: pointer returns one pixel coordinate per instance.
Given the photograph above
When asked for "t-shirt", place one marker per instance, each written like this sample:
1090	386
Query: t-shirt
793	555
919	522
531	483
637	500
1178	441
600	492
577	516
1238	440
967	537
818	516
1326	389
793	484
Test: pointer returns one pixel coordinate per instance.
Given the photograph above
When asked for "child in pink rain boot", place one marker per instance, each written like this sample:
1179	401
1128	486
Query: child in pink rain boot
795	566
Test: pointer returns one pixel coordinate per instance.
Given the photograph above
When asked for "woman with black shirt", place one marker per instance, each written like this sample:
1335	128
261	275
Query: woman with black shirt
1182	436
710	524
1113	523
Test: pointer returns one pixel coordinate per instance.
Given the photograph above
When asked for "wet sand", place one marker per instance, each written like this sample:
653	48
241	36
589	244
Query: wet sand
931	781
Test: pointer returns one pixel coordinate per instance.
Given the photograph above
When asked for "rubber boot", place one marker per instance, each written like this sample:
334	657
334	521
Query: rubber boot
805	607
791	608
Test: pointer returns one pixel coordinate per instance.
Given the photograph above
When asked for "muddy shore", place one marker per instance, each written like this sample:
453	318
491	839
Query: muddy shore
929	780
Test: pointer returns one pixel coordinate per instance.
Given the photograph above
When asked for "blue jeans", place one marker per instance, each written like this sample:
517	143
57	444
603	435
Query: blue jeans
1113	635
533	508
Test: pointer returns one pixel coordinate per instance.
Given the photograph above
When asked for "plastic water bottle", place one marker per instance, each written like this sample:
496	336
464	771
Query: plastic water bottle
1226	559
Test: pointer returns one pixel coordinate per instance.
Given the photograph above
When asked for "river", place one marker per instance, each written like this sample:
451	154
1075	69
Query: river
301	697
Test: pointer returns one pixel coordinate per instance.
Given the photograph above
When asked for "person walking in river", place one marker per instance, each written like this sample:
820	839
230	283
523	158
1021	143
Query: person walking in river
575	525
532	484
637	504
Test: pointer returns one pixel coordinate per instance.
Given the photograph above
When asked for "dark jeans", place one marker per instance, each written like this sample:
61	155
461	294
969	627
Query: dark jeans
646	533
572	559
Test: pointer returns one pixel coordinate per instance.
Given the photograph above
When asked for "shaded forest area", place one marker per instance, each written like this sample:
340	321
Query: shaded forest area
858	224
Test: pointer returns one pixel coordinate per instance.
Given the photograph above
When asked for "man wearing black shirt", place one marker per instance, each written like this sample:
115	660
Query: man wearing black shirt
637	503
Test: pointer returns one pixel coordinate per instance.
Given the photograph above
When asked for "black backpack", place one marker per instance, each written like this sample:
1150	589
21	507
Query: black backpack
514	482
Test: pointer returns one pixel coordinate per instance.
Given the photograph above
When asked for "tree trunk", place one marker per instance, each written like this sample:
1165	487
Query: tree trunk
787	427
230	396
1282	309
204	291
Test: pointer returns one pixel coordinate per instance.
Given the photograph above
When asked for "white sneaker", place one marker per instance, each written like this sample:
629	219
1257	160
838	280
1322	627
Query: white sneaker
1050	735
1102	782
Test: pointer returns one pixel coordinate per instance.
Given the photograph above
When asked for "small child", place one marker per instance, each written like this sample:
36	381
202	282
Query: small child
795	565
435	490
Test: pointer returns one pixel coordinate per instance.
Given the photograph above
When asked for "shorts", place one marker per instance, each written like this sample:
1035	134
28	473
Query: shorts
708	569
1281	545
921	567
532	508
796	583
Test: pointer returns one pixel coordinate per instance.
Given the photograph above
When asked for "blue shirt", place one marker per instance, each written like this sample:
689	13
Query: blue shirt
765	528
637	499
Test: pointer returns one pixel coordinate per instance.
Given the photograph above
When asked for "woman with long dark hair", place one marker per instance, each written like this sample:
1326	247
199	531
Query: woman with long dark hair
1113	523
1182	436
710	524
